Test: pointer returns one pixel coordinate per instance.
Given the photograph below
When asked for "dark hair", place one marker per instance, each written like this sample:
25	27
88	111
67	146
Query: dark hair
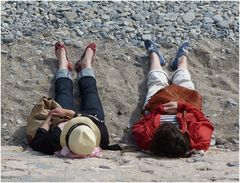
169	141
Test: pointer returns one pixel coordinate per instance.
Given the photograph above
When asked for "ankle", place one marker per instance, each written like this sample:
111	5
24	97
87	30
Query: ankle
85	64
153	57
182	59
182	63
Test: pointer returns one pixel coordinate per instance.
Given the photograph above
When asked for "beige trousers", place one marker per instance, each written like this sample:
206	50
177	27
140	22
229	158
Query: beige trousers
158	79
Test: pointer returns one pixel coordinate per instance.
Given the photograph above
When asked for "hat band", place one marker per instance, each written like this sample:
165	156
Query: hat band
71	129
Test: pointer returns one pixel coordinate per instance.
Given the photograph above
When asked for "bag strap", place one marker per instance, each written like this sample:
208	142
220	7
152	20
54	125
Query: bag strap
114	147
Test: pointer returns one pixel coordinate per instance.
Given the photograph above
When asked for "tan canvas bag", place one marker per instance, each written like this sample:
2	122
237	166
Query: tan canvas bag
39	114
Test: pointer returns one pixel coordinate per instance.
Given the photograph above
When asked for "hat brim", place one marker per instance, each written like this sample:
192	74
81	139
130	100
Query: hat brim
84	120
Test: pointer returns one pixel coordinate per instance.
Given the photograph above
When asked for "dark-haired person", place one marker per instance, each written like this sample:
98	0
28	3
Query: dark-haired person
173	128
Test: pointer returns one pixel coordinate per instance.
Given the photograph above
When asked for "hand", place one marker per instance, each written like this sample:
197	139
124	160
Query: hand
58	112
170	107
46	124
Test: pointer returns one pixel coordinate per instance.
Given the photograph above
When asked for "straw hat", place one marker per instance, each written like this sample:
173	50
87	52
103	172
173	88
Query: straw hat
80	135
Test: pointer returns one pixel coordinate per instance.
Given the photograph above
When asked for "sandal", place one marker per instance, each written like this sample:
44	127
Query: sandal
93	47
183	50
60	45
151	47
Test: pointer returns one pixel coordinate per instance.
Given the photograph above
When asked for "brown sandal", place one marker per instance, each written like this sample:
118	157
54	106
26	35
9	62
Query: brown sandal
93	47
60	45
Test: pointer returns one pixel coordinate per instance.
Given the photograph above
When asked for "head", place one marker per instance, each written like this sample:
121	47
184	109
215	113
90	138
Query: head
169	141
80	135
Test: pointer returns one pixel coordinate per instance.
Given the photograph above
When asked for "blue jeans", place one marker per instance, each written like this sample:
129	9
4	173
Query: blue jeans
49	141
90	104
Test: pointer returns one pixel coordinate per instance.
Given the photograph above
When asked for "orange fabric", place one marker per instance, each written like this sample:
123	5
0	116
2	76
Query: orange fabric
175	93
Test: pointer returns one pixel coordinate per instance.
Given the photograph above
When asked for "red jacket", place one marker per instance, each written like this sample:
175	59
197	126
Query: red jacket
191	120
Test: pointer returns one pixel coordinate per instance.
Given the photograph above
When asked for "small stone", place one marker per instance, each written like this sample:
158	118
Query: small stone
106	17
220	146
79	32
117	139
78	44
119	113
198	159
204	169
129	29
188	17
93	30
70	16
234	141
217	18
213	142
68	42
19	121
19	34
38	52
52	17
145	37
223	24
137	64
194	33
190	160
6	138
4	52
220	141
165	44
208	14
104	167
46	43
111	37
207	20
231	103
113	135
50	76
24	64
233	164
42	82
137	17
8	39
228	50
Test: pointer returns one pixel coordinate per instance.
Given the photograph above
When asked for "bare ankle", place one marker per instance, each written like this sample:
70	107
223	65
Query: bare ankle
181	59
85	64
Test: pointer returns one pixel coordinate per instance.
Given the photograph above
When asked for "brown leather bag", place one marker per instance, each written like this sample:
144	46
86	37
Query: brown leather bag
175	92
39	114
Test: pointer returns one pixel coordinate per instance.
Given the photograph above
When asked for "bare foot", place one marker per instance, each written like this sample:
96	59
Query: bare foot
86	61
62	59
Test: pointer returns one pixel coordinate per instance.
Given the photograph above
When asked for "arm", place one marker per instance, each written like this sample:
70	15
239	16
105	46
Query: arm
181	106
60	112
200	129
45	140
46	124
143	130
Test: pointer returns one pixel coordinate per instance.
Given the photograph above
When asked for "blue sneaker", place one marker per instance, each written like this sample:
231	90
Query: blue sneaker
151	47
182	50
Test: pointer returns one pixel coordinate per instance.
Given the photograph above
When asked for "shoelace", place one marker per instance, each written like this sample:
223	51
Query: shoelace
185	50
